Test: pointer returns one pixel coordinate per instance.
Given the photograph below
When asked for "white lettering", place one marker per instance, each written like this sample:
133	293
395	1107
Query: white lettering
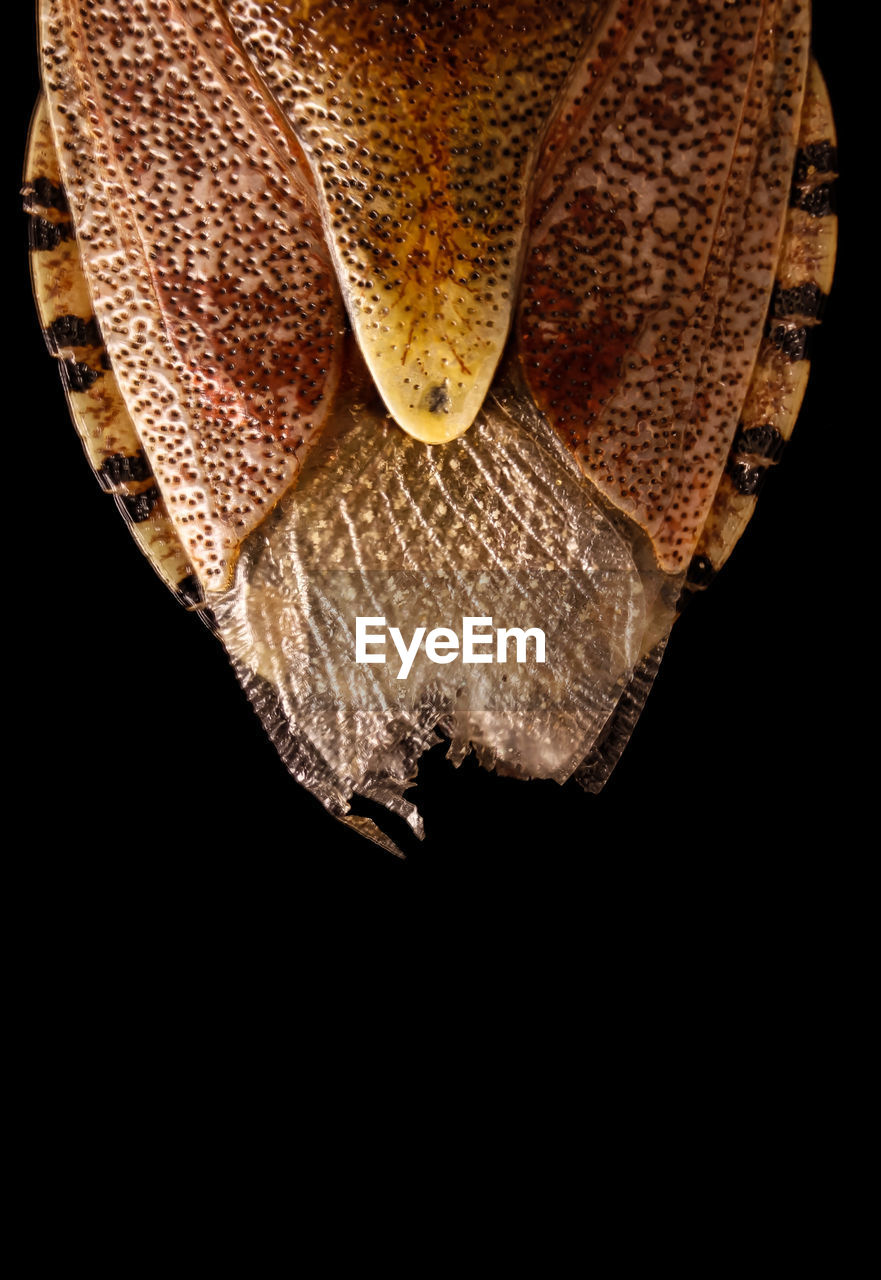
442	645
520	637
469	639
363	638
441	638
406	654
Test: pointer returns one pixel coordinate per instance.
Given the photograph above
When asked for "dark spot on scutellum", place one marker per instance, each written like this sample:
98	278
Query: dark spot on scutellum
438	399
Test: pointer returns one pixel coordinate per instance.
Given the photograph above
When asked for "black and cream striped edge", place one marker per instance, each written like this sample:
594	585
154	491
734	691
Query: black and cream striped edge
804	278
102	421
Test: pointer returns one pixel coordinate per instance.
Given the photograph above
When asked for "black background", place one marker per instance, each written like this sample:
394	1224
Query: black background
137	742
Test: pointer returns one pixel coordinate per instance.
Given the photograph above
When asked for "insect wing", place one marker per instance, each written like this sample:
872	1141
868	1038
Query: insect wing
204	253
659	215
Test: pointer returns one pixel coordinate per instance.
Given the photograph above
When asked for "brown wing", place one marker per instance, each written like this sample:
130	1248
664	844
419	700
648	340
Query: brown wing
204	254
651	261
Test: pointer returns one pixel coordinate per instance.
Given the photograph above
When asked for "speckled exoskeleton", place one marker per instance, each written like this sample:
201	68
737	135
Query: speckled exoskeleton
426	311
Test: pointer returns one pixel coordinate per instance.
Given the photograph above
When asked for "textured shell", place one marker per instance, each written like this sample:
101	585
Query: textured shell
726	547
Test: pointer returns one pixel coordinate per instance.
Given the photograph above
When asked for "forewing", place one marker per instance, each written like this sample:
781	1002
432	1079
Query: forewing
204	254
659	213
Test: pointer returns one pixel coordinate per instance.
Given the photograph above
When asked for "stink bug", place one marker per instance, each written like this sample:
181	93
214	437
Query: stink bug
273	442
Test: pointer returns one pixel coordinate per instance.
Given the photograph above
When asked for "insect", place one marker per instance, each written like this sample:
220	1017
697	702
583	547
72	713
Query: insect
578	413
